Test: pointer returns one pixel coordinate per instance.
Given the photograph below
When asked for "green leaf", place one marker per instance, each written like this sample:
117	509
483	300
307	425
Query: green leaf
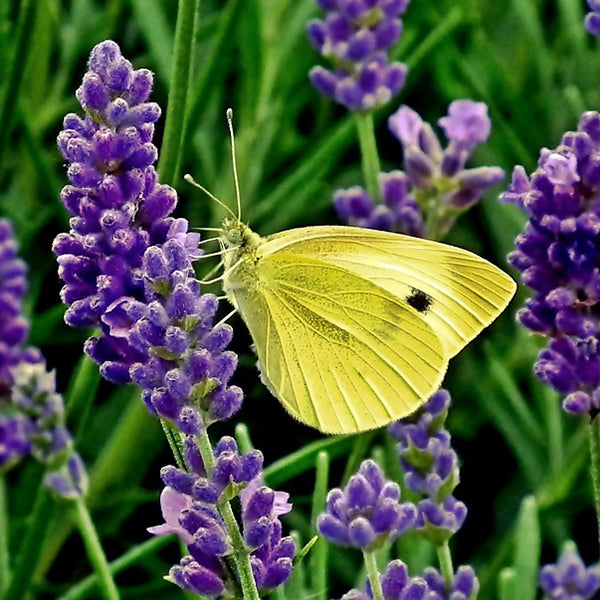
527	549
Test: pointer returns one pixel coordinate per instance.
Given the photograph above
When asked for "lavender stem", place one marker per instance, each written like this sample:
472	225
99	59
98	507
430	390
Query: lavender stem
369	156
373	574
172	144
94	550
446	568
240	553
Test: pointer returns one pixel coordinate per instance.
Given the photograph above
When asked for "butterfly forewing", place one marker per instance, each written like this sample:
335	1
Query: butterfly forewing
455	291
341	353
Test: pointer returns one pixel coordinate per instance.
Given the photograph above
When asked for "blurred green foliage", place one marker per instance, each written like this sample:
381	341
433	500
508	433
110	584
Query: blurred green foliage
530	60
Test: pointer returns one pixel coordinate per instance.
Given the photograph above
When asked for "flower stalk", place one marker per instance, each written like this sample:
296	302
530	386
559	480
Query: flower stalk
240	553
368	150
373	574
94	549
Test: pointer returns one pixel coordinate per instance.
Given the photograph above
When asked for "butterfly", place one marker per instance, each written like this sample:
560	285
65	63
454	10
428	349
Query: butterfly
353	327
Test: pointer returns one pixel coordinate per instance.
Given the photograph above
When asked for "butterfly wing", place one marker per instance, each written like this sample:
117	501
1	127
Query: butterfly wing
341	354
455	291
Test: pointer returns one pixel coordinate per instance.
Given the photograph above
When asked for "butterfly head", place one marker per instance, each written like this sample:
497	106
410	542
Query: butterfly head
236	234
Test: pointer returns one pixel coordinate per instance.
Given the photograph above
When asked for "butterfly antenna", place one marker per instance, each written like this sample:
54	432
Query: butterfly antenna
191	180
229	114
217	229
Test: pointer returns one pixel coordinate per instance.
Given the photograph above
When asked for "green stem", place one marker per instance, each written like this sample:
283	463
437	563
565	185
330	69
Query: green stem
174	442
94	550
594	433
172	145
318	556
368	151
136	554
4	552
445	560
240	552
373	575
31	548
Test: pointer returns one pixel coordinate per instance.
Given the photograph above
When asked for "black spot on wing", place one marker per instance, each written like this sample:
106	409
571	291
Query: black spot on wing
419	300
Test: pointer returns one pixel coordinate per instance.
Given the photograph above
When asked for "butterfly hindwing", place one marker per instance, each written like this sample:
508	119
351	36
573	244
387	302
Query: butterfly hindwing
455	291
340	353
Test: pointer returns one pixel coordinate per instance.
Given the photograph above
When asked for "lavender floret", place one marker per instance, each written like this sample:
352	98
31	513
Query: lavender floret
396	584
367	512
569	579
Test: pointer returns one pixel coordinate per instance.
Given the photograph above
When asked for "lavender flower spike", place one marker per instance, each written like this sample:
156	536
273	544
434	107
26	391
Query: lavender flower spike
367	512
569	579
34	396
14	328
356	36
558	254
431	468
440	173
119	209
189	506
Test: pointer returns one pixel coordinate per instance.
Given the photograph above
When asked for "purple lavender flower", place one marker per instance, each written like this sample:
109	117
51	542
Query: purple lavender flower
119	209
14	327
439	175
367	512
189	506
355	36
592	19
435	183
14	440
558	255
465	585
569	579
186	371
431	468
398	212
396	584
34	397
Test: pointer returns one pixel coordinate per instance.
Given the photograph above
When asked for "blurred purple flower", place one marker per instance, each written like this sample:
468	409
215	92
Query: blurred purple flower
434	178
465	585
367	512
14	327
399	210
14	440
34	396
592	19
558	255
355	37
570	579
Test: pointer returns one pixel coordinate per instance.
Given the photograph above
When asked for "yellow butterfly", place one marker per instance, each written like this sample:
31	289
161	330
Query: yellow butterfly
354	327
